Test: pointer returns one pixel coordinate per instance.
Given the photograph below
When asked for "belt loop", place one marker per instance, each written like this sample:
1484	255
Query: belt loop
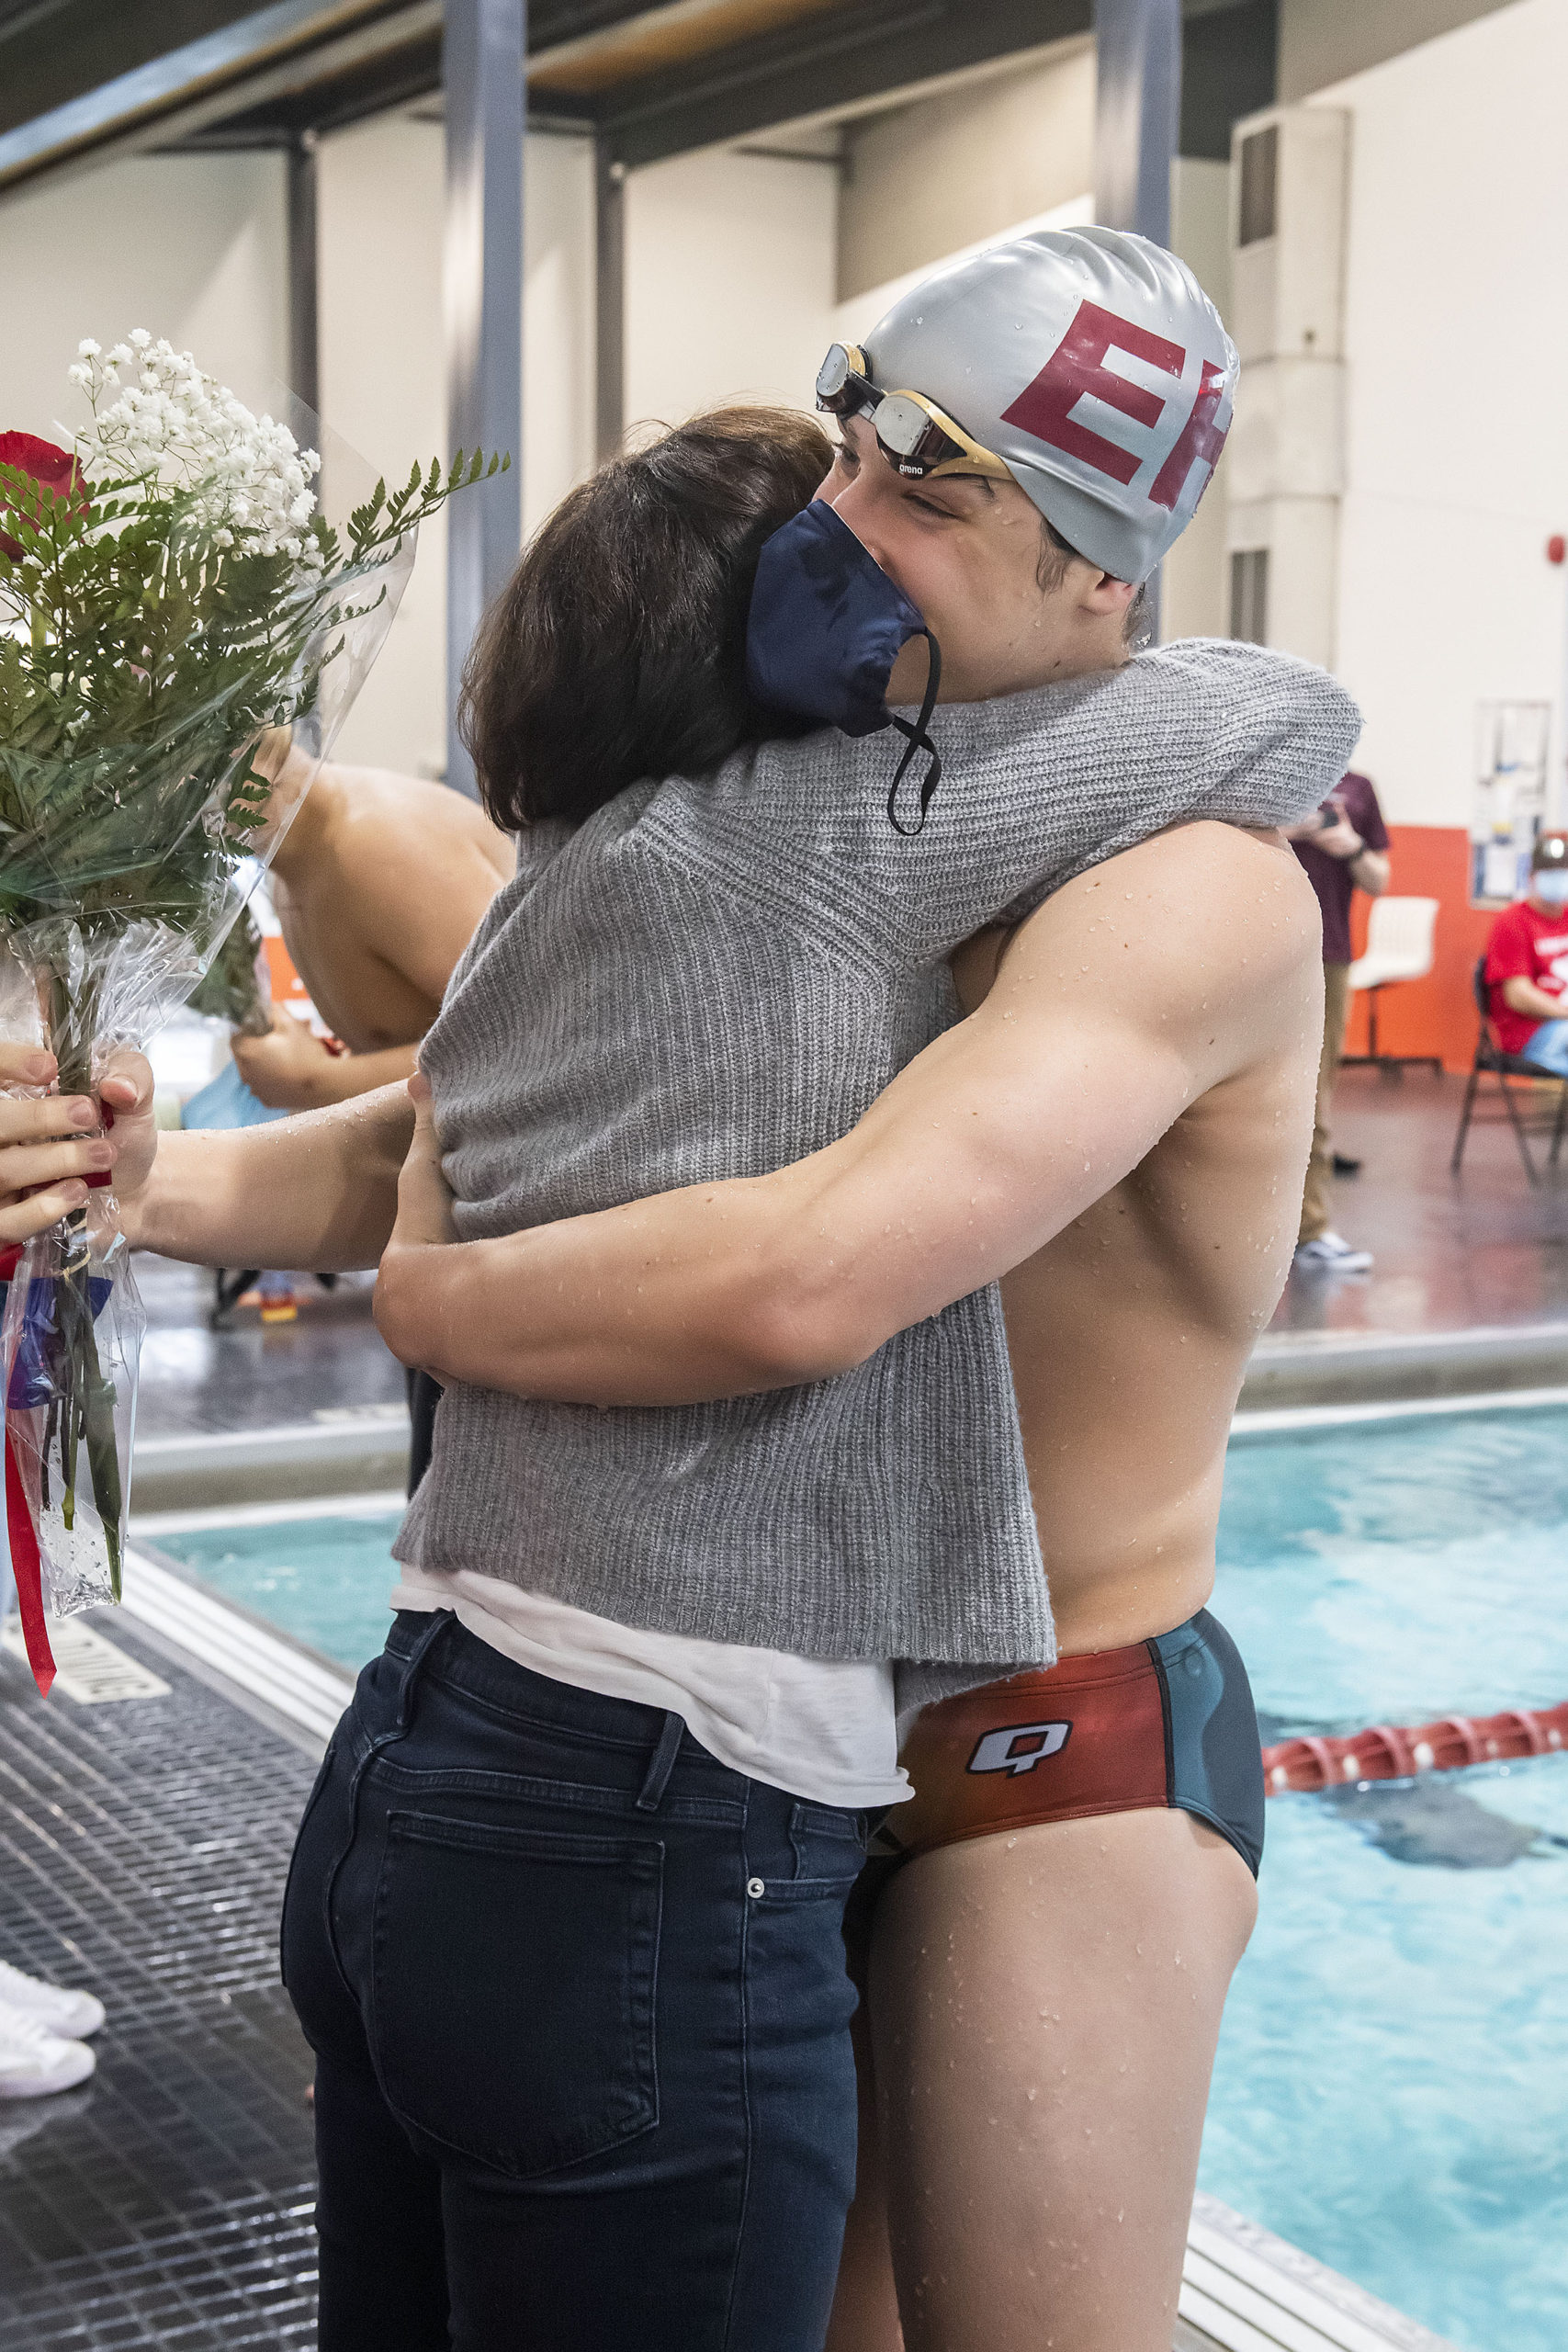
432	1634
656	1780
440	1619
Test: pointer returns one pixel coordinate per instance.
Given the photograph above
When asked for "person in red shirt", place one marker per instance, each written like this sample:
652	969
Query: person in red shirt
1344	849
1526	963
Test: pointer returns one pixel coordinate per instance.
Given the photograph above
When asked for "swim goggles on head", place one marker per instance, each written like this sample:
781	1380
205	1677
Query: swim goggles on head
916	438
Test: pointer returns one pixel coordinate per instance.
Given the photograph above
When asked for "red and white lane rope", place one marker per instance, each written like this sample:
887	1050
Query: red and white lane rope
1399	1751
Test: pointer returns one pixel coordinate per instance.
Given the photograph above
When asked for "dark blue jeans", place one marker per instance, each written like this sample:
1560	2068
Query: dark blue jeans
578	1997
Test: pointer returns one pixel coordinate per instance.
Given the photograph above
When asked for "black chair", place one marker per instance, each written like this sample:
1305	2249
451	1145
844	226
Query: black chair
1490	1058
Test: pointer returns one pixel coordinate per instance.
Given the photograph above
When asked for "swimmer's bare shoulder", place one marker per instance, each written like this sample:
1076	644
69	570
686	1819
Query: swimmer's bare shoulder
1131	1328
417	865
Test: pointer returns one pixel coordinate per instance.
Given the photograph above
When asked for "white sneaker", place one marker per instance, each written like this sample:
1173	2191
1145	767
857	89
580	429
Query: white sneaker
34	2062
70	2015
1332	1253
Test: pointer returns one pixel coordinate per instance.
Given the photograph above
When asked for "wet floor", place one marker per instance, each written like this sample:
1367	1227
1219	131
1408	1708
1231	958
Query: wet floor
1450	1254
167	2202
330	1359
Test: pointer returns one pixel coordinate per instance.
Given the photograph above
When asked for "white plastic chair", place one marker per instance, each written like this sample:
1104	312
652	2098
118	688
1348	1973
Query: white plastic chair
1399	948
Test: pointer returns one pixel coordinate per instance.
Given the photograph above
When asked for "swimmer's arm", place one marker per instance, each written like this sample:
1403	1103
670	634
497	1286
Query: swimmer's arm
317	1192
1124	998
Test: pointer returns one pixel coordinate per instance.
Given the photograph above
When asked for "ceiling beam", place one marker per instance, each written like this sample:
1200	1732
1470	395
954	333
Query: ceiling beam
859	52
192	85
653	82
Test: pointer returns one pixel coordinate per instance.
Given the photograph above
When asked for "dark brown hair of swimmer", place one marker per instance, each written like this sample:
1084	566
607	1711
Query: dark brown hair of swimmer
618	649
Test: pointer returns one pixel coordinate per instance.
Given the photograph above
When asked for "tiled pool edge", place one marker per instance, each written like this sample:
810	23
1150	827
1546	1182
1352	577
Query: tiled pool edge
1248	2291
289	1684
1328	1367
1277	1421
1242	2289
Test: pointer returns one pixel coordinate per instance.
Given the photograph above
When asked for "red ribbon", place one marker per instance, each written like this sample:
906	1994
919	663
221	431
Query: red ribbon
28	1569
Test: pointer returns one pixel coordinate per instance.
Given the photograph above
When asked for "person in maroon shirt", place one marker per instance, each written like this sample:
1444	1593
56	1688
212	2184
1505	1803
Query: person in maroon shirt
1344	850
1526	963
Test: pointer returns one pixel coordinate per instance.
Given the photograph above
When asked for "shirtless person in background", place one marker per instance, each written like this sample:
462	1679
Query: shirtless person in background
379	884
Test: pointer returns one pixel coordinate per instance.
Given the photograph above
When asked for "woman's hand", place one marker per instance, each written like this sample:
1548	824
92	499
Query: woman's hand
408	1287
51	1146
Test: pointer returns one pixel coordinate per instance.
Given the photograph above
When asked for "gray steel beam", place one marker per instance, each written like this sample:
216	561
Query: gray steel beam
609	301
1137	112
484	45
304	334
181	90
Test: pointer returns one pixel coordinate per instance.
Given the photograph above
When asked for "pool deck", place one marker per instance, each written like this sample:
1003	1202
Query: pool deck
1469	1292
146	1813
1451	1254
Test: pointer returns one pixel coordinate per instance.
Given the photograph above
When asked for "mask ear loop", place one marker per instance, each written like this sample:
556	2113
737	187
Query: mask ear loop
919	741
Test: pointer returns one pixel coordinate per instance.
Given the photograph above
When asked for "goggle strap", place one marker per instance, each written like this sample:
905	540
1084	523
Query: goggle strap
919	741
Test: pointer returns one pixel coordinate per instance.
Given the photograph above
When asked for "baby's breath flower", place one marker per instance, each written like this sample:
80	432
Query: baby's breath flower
87	348
173	425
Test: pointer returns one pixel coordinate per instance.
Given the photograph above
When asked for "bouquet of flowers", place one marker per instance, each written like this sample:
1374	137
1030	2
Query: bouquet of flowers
170	589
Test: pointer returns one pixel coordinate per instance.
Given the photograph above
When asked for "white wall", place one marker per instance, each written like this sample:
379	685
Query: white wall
949	173
195	247
729	271
1457	342
1196	585
1326	41
383	372
188	247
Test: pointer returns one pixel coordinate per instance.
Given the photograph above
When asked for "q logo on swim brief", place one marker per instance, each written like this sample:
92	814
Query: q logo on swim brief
1019	1747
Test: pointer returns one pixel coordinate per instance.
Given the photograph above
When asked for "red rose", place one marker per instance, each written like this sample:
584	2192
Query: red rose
56	469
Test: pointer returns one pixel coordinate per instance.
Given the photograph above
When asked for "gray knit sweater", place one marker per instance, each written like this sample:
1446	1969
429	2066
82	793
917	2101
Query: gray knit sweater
710	980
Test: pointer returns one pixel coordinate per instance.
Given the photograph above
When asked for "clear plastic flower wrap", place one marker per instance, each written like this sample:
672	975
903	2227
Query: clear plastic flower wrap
170	596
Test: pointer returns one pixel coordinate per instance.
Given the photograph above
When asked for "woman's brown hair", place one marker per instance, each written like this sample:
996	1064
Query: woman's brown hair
618	649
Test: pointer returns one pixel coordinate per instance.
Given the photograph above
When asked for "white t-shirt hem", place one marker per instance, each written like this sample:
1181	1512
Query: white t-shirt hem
824	1729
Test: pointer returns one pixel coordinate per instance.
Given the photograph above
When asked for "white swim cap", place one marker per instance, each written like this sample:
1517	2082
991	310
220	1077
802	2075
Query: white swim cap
1093	364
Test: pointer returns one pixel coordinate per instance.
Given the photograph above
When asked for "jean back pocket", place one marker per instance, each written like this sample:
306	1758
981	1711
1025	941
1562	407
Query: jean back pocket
515	1975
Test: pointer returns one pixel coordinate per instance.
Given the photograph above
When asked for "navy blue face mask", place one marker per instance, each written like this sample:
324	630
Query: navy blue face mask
826	625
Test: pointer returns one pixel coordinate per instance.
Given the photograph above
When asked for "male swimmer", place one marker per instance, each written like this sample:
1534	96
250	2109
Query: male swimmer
1117	1131
379	884
575	1976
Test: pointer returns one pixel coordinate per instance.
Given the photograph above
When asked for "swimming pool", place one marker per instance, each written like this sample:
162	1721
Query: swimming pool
1392	2077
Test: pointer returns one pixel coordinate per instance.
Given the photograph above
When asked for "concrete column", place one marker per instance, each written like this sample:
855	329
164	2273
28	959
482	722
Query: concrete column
1137	121
483	48
304	339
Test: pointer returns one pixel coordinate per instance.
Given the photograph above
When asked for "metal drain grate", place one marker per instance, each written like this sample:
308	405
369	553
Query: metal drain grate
245	2275
143	1852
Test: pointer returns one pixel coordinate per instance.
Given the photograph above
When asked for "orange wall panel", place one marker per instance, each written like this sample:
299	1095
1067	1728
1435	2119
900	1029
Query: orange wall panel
1435	1015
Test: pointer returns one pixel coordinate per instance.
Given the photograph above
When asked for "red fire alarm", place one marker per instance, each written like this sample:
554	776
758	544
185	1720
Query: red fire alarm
1556	547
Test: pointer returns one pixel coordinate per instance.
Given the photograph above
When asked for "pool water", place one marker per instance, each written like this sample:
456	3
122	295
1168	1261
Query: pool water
1391	2086
324	1579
